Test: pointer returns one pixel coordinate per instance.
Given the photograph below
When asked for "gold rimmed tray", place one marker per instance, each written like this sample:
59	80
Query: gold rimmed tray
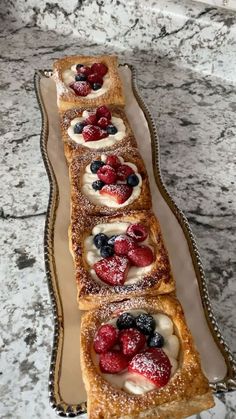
66	390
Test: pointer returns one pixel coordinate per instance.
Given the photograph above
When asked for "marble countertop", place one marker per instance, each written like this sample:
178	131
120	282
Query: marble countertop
195	117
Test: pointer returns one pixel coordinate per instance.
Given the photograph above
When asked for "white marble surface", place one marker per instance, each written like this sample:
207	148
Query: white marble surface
195	116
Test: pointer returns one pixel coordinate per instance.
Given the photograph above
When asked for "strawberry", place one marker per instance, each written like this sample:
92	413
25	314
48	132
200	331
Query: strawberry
95	78
140	256
119	193
138	232
113	362
105	338
152	364
99	68
124	171
81	88
132	341
107	174
103	122
84	70
93	133
91	120
112	270
113	161
122	245
103	111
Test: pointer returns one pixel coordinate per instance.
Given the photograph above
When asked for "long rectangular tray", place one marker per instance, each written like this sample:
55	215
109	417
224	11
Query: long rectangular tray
66	390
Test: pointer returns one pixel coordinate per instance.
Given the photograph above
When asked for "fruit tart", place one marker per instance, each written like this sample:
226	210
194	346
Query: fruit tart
109	183
138	360
95	129
83	81
118	257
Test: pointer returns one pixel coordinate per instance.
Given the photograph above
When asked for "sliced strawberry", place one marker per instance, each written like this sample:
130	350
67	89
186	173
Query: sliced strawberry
113	161
105	338
81	88
119	193
91	120
113	362
95	78
112	270
84	70
99	68
103	122
124	171
107	174
93	133
138	232
152	364
103	111
132	341
123	244
141	256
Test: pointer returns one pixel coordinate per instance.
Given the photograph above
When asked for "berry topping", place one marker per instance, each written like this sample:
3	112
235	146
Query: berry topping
103	122
156	340
100	240
132	180
123	244
95	165
84	70
81	88
95	78
97	185
96	86
99	68
113	161
145	323
113	362
138	232
78	66
103	111
80	77
140	255
152	364
124	171
107	251
125	321
78	128
111	130
111	240
112	270
107	174
119	193
93	133
91	120
105	338
132	341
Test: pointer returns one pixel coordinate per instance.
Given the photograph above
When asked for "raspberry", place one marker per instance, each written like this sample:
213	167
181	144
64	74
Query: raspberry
91	120
81	88
103	111
141	256
113	362
99	68
103	122
93	133
112	270
123	245
84	70
113	161
124	171
105	338
95	78
107	174
119	193
132	341
138	232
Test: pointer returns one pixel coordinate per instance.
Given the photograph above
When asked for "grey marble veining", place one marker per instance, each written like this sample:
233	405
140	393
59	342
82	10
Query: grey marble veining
195	116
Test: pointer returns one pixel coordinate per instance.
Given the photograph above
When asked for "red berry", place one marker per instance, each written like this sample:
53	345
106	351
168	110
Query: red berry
81	88
152	364
113	362
113	161
103	122
95	78
107	174
124	171
105	338
119	193
132	341
84	70
93	133
138	232
123	245
91	120
141	256
99	68
103	111
112	270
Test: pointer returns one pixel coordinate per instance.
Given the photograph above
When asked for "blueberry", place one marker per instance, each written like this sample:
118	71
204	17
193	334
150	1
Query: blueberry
78	128
100	240
96	86
111	240
156	340
80	77
111	129
97	185
106	251
78	66
132	180
95	165
125	321
145	323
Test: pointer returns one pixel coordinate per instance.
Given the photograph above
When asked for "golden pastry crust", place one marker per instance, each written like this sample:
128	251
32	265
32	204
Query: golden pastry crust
186	393
92	293
73	149
80	202
66	99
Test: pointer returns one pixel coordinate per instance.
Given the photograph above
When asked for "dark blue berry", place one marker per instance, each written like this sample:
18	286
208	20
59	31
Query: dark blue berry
96	86
78	66
156	340
97	185
100	240
95	165
145	323
111	240
111	129
78	128
132	180
80	77
106	251
125	321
